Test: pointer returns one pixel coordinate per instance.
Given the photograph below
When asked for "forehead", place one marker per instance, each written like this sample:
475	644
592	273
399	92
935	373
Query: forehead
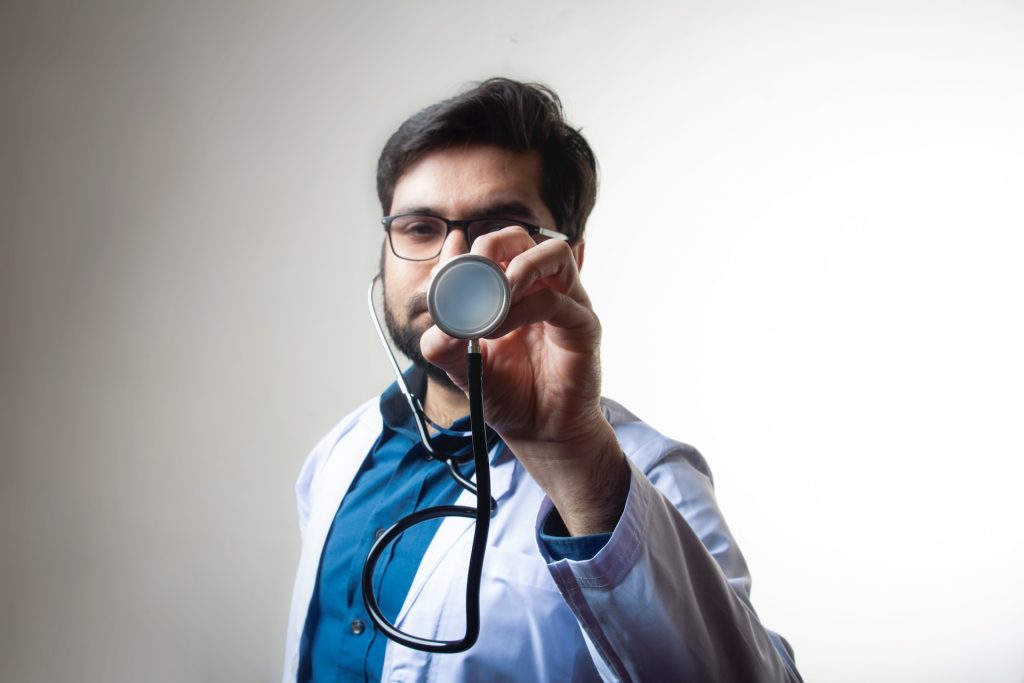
457	183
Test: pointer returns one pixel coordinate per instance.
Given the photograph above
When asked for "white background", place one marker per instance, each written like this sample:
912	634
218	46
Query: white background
806	254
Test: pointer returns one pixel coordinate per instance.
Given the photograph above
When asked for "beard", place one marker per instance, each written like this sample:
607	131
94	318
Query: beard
407	336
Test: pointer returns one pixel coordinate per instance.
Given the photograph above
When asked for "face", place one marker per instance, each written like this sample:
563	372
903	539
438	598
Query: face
458	184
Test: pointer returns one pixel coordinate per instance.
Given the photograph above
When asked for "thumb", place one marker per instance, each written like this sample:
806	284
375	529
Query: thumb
447	353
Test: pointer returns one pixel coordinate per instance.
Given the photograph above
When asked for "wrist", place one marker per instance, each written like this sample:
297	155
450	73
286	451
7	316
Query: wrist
586	478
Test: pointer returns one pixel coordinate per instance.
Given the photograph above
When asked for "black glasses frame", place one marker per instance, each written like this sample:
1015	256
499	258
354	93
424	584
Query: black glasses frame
533	230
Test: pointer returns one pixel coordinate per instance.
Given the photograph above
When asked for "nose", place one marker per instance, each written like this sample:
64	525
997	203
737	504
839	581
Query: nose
455	244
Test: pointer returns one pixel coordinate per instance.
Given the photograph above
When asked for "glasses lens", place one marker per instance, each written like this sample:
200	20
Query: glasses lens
417	237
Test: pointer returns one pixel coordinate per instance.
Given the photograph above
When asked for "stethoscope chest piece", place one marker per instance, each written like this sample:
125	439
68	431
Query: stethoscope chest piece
468	297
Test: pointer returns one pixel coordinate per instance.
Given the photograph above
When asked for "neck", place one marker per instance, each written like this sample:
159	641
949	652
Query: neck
445	403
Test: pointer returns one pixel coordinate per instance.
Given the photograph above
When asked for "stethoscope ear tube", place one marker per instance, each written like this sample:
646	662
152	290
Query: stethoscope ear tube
481	514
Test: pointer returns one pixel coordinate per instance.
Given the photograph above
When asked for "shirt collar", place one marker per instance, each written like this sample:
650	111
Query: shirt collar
397	417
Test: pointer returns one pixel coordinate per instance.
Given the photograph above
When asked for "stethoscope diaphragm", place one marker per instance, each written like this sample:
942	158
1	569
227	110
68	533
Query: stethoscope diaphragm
468	297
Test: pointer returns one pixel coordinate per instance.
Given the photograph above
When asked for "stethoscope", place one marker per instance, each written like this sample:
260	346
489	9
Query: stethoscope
468	297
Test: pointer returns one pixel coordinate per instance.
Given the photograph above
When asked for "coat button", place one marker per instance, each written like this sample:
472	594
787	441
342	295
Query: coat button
377	534
358	627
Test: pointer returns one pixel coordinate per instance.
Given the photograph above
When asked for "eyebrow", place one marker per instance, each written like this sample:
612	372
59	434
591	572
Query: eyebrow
499	210
509	208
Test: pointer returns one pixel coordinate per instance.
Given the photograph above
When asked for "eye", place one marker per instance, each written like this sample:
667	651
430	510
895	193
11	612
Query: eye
421	228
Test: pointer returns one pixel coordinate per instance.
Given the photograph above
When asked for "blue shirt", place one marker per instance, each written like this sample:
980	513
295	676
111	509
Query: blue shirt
340	642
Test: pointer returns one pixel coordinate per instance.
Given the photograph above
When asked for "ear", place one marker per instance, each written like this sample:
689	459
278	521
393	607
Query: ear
578	250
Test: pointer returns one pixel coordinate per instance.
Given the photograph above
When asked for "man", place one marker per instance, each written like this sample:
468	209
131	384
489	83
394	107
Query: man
607	556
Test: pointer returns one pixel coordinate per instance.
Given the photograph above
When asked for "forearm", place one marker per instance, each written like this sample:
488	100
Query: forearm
586	478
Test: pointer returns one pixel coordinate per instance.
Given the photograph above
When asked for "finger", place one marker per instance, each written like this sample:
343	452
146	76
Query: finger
503	245
557	309
551	262
447	353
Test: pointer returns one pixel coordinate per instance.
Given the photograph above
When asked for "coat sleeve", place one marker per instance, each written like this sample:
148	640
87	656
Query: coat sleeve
668	596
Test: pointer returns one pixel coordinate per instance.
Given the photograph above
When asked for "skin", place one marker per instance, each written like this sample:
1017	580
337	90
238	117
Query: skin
542	367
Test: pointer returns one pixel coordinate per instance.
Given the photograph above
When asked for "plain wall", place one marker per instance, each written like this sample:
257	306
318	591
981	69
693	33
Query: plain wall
806	253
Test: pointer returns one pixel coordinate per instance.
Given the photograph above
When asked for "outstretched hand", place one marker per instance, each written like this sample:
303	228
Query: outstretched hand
542	380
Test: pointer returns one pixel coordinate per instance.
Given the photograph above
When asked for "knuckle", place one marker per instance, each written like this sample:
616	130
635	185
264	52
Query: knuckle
559	247
523	263
517	230
485	242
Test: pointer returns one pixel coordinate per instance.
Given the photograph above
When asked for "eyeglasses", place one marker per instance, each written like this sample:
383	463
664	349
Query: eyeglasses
420	236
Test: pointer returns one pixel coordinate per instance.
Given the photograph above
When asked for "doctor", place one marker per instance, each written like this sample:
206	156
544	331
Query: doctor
608	557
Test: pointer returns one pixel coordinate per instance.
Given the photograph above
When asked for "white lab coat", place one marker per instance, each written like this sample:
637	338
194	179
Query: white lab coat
667	598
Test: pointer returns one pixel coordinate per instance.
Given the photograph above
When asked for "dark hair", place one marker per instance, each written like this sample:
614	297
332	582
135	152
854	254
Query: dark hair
508	114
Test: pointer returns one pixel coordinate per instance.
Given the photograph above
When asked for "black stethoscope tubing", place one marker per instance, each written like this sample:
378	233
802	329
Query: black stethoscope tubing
485	507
